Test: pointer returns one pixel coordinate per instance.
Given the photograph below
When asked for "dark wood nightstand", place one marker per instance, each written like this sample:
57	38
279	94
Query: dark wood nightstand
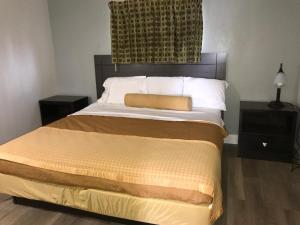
266	133
59	106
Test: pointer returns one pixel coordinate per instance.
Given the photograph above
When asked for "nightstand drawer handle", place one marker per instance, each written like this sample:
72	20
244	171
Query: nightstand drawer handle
264	144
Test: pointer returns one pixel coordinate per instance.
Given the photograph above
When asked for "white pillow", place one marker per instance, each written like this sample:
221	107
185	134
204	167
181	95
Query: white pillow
206	93
165	85
117	87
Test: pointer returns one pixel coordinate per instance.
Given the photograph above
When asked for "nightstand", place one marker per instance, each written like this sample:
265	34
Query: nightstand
266	133
59	106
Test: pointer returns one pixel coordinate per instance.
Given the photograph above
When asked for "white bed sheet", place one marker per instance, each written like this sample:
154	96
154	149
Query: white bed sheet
120	110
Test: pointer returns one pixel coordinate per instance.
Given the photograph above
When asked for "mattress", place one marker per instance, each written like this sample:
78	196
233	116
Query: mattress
172	160
149	210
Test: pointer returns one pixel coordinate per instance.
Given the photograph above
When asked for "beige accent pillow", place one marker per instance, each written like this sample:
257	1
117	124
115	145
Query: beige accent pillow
180	103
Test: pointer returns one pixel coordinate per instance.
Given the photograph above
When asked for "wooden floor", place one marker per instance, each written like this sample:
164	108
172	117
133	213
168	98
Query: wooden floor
255	193
259	192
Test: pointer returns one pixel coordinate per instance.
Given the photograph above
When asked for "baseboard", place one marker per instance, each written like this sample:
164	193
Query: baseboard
231	139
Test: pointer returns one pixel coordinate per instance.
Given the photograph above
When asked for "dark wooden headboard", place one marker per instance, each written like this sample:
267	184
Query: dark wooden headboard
212	65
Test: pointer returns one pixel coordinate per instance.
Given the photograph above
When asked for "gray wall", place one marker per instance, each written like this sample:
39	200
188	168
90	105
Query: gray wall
81	29
257	35
27	66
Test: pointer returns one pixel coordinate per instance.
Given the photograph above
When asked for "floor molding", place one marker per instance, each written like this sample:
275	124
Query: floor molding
231	139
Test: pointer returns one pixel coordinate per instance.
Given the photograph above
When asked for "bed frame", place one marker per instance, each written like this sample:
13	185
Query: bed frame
212	66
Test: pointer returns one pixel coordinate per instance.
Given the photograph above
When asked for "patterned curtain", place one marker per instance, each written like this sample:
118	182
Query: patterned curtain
156	31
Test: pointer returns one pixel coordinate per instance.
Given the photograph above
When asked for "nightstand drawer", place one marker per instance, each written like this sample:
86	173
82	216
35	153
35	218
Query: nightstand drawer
265	143
267	133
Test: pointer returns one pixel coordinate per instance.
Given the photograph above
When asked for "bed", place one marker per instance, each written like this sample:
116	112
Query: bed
126	162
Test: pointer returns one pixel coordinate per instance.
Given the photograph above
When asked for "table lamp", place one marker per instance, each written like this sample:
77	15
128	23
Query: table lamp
279	82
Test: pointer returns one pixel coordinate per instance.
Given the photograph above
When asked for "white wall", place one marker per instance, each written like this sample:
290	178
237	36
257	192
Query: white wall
257	35
27	66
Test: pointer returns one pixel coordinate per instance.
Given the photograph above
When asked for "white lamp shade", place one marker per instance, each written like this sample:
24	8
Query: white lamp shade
279	80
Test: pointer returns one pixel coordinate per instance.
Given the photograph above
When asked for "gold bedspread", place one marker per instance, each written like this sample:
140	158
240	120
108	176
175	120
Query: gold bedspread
180	159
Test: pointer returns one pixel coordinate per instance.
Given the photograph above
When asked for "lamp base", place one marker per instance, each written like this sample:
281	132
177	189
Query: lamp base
276	105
